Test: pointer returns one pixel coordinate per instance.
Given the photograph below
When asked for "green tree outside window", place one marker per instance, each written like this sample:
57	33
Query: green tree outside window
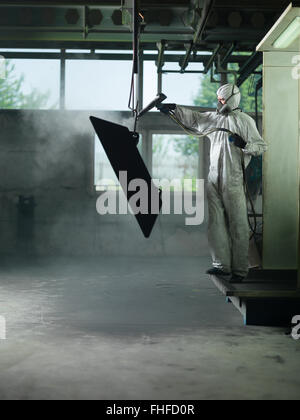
12	97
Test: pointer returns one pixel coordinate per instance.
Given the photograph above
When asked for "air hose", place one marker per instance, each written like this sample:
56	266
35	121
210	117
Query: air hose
193	132
196	133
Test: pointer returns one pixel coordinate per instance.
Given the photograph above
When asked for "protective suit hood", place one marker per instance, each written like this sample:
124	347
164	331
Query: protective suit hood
226	91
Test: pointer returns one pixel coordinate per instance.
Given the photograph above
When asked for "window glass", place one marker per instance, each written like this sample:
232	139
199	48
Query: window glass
175	157
78	51
29	50
179	88
150	81
113	51
102	85
182	88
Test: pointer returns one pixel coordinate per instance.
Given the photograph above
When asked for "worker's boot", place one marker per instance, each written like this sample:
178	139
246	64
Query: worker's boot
217	272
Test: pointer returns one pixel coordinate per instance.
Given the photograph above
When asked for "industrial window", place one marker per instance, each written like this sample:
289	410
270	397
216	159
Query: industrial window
175	157
97	85
30	84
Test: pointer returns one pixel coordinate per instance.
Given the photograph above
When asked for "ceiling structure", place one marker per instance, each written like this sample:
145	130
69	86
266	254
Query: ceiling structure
221	28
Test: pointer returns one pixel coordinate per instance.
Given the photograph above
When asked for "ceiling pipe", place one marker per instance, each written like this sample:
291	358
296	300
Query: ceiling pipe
228	54
161	50
212	58
206	11
252	59
60	3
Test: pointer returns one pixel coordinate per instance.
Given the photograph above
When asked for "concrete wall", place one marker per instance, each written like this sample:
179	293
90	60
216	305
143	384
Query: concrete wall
49	155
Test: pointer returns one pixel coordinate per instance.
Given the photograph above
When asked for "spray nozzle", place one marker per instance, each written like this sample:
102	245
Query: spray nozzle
158	100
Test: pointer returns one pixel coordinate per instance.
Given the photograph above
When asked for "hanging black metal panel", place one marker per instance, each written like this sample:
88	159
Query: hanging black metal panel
120	146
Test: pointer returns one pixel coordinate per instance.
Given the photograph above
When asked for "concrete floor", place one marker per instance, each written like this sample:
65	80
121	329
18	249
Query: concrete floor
119	328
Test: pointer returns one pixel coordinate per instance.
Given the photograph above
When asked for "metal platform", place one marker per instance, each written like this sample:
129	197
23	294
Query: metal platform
266	298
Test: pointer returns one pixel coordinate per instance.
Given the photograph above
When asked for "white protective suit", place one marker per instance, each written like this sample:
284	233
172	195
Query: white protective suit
228	231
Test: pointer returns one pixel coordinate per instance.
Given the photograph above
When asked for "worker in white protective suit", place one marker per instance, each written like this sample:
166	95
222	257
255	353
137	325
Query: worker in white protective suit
228	230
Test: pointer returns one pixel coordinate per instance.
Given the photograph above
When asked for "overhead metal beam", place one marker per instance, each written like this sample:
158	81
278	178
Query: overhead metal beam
106	56
16	32
253	5
253	62
206	11
108	3
232	35
249	67
59	3
107	45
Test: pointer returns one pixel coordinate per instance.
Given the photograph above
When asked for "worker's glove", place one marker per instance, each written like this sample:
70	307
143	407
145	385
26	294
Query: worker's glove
166	108
238	141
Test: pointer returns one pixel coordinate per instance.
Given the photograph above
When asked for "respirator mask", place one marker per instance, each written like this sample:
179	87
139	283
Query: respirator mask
223	109
226	109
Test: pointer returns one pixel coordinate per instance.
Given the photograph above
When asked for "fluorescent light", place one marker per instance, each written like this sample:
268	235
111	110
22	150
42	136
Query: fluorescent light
290	35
